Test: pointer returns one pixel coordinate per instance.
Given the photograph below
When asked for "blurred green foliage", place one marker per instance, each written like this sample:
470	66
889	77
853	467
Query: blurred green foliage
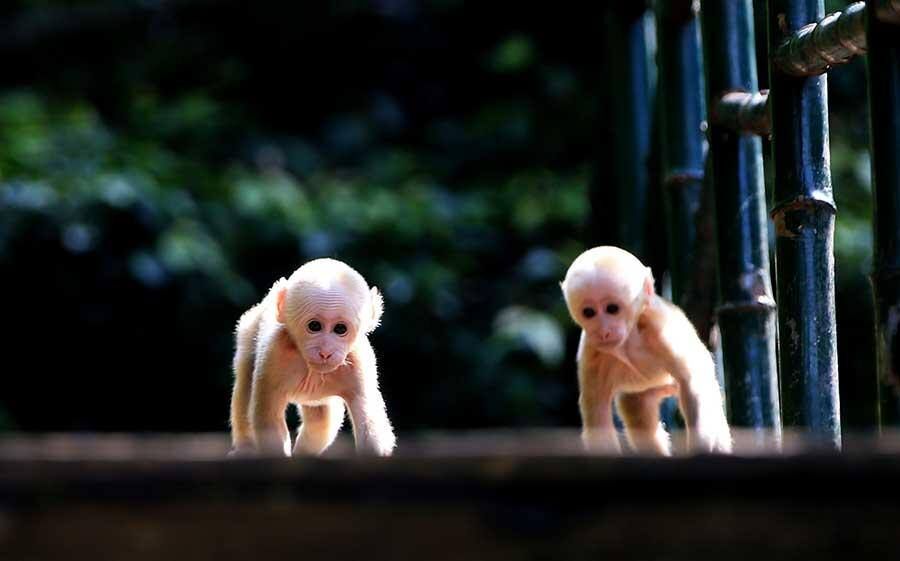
152	191
468	274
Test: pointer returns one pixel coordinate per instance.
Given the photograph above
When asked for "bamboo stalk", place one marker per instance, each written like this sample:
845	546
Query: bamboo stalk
682	114
633	108
631	66
883	73
803	213
817	46
746	313
689	214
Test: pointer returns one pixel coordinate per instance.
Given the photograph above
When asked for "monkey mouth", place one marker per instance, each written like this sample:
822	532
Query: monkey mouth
324	367
607	346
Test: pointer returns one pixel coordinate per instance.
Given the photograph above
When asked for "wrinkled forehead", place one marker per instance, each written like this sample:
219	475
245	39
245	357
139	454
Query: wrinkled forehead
601	285
326	300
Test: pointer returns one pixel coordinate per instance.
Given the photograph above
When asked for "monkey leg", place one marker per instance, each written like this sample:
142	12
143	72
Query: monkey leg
320	426
671	338
640	414
371	428
243	364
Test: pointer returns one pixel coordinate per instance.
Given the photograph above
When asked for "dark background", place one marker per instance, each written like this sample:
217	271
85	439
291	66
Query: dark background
162	163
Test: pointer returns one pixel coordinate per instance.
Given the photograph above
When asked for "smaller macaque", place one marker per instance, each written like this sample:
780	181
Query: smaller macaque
636	348
306	343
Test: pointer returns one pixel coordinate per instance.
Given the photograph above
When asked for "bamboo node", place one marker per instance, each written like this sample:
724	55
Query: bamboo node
778	214
756	283
759	305
682	177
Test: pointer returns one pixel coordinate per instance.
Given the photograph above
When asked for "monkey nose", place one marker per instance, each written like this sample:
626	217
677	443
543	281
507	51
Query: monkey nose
325	356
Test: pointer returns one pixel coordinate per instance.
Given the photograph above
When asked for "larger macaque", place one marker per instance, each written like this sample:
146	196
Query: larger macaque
638	348
306	344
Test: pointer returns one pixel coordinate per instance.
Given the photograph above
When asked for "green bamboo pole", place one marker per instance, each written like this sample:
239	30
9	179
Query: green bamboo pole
883	72
682	114
747	310
629	31
803	213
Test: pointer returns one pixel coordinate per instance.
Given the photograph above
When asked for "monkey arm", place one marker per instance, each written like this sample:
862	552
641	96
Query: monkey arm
372	429
268	400
700	401
595	400
673	339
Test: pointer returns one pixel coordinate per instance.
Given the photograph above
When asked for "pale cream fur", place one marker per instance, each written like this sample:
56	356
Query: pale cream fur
279	360
638	352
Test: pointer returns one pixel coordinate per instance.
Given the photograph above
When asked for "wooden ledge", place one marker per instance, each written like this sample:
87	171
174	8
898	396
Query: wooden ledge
480	495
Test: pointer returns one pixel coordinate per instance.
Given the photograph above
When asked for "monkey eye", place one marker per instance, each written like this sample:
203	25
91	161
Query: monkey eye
612	309
340	329
589	312
314	326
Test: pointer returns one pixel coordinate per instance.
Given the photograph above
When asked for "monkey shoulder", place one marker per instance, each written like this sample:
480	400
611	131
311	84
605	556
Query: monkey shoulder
658	312
277	353
362	352
670	339
662	324
247	330
250	319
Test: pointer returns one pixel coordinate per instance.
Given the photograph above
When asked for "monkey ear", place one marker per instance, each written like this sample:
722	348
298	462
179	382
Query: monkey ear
282	292
377	309
649	287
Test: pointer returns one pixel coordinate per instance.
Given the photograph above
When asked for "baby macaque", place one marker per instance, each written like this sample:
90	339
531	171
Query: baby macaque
306	344
638	348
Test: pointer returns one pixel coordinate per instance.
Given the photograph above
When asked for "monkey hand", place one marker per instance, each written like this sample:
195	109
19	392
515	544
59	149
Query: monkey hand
601	441
710	434
710	442
242	452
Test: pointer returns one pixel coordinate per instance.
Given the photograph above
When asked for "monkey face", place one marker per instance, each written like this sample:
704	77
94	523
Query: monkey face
606	314
325	306
605	290
323	322
325	341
